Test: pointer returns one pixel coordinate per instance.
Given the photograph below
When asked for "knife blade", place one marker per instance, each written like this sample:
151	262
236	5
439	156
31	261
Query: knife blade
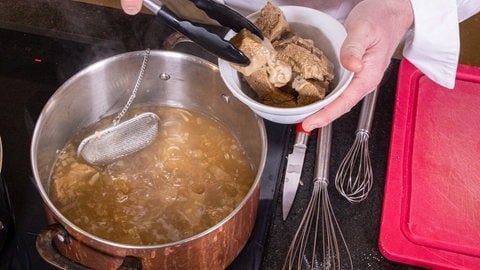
293	169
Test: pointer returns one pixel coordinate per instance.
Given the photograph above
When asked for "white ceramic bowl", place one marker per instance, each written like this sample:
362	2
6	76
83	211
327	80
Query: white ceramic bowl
328	35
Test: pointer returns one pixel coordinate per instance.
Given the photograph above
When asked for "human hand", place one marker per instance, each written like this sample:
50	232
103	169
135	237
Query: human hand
374	30
131	7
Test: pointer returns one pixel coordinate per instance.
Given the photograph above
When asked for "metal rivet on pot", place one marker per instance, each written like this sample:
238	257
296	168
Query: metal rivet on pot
1	225
226	98
164	76
61	238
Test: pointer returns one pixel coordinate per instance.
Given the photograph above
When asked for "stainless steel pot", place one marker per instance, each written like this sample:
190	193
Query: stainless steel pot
173	79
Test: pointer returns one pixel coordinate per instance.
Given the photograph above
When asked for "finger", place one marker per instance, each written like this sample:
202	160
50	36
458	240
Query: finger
362	83
341	105
356	43
131	7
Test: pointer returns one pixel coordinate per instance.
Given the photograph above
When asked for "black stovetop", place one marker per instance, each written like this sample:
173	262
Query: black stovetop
35	63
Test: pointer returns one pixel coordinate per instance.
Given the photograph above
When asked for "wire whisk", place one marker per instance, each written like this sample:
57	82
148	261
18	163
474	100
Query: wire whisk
319	217
354	178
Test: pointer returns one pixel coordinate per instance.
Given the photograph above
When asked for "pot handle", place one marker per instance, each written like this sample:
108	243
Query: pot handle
174	39
177	38
46	248
49	253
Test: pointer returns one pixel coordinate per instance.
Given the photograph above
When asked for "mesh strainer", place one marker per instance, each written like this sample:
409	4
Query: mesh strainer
122	138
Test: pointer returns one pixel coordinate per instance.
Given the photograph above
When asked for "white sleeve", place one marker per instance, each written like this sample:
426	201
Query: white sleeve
467	8
433	44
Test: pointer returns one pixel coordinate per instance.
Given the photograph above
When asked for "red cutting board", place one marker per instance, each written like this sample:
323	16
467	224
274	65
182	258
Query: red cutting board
431	209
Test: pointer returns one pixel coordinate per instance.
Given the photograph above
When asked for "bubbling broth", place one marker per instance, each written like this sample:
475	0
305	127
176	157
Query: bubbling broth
188	180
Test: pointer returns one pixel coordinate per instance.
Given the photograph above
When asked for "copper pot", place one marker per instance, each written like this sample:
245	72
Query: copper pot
173	79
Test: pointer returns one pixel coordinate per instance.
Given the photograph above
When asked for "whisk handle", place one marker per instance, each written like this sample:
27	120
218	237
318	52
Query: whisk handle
366	114
322	162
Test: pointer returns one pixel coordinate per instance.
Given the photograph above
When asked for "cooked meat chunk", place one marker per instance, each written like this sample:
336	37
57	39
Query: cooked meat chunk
64	186
289	72
272	22
261	54
305	58
309	91
262	57
279	73
267	92
257	51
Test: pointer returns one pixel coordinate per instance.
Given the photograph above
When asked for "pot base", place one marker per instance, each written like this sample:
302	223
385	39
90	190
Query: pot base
214	250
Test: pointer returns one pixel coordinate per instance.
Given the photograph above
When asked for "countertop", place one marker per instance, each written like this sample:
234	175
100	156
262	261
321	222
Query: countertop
105	31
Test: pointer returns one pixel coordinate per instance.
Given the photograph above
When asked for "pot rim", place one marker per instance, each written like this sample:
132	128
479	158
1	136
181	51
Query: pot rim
71	226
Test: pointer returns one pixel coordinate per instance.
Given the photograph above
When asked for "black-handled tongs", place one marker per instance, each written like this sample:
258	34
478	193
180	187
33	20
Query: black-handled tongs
209	41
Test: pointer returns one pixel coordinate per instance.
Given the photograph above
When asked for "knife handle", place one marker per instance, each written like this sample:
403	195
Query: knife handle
302	135
299	128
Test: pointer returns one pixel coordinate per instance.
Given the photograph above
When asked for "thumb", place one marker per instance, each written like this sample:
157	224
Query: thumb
351	56
354	47
131	7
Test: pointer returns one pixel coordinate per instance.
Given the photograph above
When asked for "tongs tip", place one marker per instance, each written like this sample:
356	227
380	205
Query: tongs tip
223	14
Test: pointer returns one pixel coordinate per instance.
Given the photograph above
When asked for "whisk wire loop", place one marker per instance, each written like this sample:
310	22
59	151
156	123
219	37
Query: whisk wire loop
354	178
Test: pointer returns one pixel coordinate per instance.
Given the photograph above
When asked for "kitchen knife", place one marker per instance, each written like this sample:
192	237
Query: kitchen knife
293	170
